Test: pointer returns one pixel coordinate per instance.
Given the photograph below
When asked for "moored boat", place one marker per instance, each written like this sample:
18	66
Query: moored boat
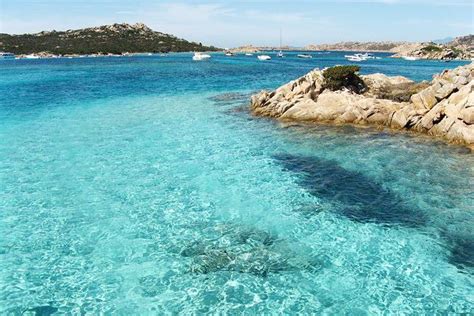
355	58
6	55
200	56
410	58
304	56
359	57
263	57
366	55
280	53
31	56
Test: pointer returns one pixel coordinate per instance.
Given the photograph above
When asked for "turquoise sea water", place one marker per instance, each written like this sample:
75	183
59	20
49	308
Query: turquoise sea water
142	185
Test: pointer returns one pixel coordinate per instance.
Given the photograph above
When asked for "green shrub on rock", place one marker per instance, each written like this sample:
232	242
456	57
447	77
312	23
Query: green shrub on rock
339	77
432	48
401	92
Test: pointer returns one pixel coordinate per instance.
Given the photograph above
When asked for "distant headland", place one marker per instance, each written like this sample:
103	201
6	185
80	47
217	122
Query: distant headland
459	48
106	39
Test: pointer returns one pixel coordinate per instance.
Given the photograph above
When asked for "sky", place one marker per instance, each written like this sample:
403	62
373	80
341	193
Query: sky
234	23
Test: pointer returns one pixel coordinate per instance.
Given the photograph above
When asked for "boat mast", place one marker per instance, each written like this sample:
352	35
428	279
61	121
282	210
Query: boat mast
280	39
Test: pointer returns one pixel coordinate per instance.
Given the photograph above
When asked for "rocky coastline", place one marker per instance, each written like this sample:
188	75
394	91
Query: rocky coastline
48	55
443	108
257	49
460	48
356	46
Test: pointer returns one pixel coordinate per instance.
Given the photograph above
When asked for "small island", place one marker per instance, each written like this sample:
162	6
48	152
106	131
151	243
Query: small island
338	95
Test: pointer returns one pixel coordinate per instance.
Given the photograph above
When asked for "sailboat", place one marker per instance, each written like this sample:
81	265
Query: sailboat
280	54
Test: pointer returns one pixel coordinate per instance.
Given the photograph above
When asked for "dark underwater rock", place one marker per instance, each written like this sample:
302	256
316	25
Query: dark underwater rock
231	98
361	199
356	196
43	310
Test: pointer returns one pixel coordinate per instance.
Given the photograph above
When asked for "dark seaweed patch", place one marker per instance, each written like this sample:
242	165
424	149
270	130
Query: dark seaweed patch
238	110
43	310
462	253
358	197
230	98
245	250
362	200
256	261
461	246
234	103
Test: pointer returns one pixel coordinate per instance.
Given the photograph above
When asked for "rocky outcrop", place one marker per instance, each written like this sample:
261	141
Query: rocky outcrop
461	48
257	49
357	46
245	49
443	53
406	47
466	41
445	108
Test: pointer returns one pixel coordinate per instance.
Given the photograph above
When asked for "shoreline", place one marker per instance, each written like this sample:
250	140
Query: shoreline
44	55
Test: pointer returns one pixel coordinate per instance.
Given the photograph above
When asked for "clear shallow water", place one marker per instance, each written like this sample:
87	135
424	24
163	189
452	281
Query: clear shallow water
141	185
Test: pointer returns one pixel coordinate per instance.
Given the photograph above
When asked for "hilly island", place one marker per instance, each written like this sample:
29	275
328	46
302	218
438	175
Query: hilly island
113	39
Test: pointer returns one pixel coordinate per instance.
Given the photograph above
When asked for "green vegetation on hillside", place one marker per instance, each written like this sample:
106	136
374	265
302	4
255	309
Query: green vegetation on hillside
432	48
115	39
338	77
401	92
456	51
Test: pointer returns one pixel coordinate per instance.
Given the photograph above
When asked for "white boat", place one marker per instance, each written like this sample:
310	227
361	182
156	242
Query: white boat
263	57
5	55
304	56
355	58
201	56
365	55
358	57
249	54
411	58
230	54
32	56
280	53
